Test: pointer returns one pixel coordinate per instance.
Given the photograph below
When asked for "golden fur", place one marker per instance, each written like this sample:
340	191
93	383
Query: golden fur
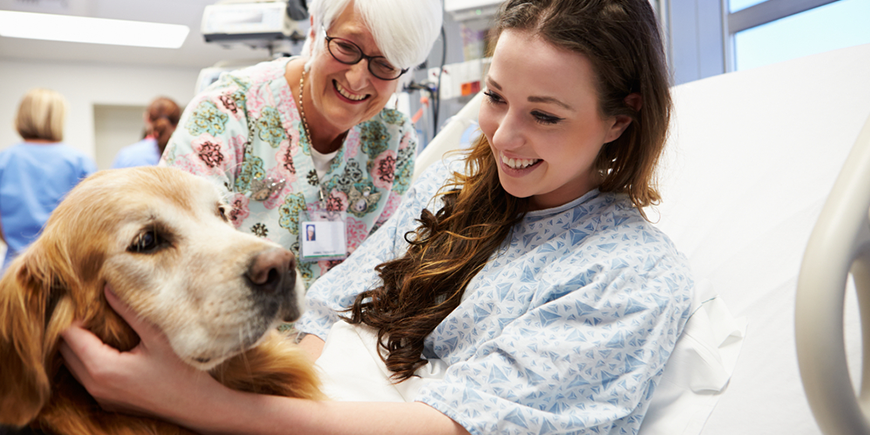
160	238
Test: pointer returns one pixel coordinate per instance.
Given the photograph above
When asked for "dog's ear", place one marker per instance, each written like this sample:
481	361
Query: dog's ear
31	297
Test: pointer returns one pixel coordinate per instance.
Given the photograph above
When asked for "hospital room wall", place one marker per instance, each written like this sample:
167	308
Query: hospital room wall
86	85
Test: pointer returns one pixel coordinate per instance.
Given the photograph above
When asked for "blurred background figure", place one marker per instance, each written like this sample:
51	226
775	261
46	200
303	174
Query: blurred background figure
36	173
161	118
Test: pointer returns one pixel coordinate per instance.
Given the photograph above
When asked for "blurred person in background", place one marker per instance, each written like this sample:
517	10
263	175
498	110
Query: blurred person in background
161	118
36	174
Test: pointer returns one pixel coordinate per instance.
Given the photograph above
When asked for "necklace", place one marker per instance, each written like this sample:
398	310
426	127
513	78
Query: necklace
307	132
302	111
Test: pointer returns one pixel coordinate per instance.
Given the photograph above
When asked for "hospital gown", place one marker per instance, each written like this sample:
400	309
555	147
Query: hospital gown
565	330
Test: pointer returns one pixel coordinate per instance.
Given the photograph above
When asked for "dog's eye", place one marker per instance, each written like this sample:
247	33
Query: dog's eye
146	243
222	211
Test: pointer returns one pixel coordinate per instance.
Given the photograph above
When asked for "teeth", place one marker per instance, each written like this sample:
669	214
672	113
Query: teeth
518	163
348	95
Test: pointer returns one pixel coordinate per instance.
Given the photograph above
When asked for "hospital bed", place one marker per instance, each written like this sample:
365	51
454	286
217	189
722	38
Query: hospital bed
751	160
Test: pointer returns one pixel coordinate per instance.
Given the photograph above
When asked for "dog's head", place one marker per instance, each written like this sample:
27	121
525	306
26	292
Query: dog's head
161	239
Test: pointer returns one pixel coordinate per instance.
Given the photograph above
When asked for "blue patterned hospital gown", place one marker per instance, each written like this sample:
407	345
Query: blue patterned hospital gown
566	330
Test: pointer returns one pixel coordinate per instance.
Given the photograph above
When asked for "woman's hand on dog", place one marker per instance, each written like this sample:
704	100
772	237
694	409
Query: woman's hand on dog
142	381
151	380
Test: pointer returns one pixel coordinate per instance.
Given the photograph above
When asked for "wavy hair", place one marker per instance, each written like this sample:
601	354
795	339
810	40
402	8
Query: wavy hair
621	39
446	251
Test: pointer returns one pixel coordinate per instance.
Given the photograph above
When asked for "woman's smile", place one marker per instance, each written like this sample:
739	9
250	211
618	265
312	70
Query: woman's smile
347	95
519	164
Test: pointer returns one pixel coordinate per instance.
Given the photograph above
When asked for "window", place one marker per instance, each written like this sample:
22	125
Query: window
710	37
836	25
738	5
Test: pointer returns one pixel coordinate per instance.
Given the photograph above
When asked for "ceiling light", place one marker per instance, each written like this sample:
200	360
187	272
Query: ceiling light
71	28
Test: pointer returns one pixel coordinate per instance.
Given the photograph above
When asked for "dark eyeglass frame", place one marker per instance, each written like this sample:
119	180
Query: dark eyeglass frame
361	57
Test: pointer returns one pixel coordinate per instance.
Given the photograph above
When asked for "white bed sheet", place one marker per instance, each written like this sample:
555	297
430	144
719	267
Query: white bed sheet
751	159
698	370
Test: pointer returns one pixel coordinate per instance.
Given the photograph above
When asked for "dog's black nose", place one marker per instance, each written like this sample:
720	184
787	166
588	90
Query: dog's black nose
269	269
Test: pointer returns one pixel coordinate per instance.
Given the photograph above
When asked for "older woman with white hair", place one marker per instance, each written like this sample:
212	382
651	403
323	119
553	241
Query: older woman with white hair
308	140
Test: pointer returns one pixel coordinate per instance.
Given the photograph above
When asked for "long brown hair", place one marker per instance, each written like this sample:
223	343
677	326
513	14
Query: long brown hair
448	249
621	39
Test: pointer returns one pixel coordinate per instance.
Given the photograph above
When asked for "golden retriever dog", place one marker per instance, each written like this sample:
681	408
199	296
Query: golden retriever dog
161	239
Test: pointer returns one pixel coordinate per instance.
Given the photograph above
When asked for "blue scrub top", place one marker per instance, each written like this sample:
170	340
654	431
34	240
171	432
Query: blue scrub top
33	180
142	153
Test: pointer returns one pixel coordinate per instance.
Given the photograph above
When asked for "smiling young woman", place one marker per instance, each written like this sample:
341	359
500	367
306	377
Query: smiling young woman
545	130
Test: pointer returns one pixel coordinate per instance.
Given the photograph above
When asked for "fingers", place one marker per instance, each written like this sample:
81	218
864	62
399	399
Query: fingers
80	345
108	374
120	307
146	330
78	337
143	381
85	355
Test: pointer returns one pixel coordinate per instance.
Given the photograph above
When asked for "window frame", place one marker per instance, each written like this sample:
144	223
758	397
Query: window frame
699	34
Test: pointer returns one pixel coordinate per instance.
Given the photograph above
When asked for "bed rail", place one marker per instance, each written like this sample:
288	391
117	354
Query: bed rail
839	245
448	138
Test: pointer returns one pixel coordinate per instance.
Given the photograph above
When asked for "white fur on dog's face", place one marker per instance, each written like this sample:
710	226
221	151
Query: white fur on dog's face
175	259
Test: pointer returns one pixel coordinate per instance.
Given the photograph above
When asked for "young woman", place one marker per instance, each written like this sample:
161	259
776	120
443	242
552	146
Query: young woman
532	274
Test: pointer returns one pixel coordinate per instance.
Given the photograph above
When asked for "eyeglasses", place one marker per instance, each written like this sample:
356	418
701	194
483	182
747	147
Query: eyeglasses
349	53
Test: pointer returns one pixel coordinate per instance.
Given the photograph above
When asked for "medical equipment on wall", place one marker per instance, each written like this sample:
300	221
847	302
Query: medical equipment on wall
470	11
474	17
278	26
258	24
429	102
461	79
454	83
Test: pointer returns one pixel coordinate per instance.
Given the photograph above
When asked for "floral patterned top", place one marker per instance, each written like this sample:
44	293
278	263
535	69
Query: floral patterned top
244	133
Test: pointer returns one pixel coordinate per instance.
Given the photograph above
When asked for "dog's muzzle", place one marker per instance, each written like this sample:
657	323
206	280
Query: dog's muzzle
272	278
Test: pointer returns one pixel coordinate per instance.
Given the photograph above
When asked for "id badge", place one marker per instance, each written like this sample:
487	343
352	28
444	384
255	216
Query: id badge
323	236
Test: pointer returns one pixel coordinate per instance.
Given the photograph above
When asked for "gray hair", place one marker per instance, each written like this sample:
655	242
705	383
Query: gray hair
404	30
